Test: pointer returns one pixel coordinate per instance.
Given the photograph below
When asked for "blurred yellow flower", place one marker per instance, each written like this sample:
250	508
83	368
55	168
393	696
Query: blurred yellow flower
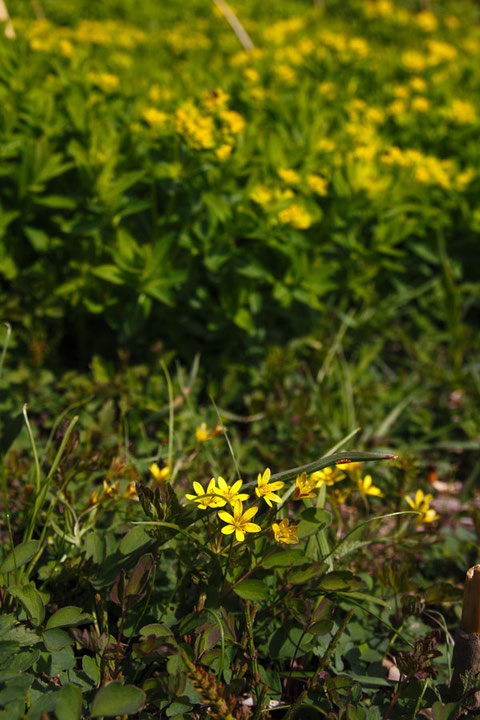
326	145
420	104
106	81
239	523
426	20
160	475
233	122
328	476
223	152
462	112
290	177
317	184
296	216
421	503
266	489
284	532
154	117
365	487
201	433
261	195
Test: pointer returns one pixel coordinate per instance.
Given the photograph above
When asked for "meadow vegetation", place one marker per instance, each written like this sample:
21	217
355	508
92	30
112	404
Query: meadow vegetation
240	372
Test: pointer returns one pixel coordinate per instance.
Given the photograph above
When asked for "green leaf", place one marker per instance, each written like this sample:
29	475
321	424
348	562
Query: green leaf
69	616
69	703
110	273
329	461
283	559
251	590
19	556
301	574
42	706
56	639
312	521
134	541
117	699
445	712
340	580
31	600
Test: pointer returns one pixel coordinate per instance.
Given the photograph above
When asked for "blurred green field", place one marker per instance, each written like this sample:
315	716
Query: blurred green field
215	259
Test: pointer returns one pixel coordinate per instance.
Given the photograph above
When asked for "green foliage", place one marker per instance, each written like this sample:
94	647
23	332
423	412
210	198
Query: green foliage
140	204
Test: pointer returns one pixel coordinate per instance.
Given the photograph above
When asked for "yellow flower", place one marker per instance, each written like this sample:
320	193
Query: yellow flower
418	84
296	216
426	20
463	112
420	104
233	122
223	152
317	183
305	487
284	532
207	499
130	491
201	433
328	476
154	117
365	487
105	81
110	490
326	145
230	494
421	504
261	195
215	100
239	522
290	177
160	475
267	489
463	179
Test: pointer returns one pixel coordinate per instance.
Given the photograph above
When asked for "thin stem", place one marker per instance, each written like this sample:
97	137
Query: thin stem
170	415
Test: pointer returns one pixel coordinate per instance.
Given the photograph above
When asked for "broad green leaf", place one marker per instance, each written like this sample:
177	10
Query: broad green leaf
110	273
299	575
134	541
283	559
117	699
69	616
251	590
340	580
445	712
56	639
19	556
42	706
69	703
31	600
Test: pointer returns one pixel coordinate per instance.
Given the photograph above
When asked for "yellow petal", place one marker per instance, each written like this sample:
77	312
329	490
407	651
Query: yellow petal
249	513
226	517
228	529
240	535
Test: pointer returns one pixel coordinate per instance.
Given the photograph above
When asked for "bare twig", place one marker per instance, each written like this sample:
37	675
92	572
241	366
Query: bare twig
235	24
5	18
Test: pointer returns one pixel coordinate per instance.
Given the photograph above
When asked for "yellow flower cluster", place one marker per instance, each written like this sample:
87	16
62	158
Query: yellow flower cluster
43	36
428	169
296	216
218	494
216	127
